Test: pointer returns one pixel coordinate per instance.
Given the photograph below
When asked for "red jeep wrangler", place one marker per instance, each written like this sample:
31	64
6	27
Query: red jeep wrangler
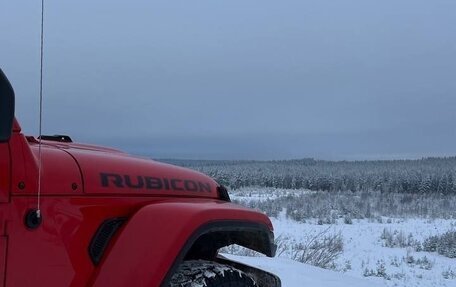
110	219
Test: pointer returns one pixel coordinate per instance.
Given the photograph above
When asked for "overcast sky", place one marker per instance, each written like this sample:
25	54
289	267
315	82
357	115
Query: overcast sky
239	79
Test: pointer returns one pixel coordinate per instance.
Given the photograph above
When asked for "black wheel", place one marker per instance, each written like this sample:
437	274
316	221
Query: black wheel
196	273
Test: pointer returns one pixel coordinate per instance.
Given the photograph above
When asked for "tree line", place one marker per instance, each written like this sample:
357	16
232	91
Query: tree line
427	175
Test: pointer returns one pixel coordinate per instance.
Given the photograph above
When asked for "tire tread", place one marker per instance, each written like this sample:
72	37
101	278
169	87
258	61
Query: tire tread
202	273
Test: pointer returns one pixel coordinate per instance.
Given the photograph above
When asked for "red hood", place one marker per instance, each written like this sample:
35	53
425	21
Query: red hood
108	171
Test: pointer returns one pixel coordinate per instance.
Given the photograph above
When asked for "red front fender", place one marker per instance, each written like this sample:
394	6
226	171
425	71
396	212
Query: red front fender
152	241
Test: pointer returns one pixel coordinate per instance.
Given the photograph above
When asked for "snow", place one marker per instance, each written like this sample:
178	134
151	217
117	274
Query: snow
264	193
295	274
364	250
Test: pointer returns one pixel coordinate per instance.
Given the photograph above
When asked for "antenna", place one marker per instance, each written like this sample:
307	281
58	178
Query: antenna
38	210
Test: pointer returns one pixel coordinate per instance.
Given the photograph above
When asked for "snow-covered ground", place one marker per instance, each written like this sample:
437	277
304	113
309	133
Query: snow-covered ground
364	250
365	260
295	274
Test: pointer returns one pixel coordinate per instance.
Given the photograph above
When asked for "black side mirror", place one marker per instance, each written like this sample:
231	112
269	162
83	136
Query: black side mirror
6	108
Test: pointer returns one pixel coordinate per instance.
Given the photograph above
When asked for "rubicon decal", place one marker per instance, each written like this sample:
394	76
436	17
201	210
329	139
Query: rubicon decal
153	183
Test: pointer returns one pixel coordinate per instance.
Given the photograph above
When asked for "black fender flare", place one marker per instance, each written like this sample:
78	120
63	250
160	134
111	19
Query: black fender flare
255	236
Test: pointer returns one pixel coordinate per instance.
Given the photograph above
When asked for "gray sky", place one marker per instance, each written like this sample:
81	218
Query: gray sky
240	79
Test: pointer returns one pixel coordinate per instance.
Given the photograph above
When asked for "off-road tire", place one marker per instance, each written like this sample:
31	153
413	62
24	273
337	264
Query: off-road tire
201	273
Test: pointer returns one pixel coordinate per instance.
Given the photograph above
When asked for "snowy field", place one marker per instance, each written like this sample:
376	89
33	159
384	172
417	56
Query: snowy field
295	274
377	251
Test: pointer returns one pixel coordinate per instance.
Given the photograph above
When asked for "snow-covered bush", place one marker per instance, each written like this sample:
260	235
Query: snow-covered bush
444	244
380	271
348	220
321	250
424	263
347	266
239	250
449	274
395	262
399	239
430	244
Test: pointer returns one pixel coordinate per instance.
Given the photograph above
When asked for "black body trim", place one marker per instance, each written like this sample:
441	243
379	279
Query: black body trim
57	138
102	237
225	226
223	193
